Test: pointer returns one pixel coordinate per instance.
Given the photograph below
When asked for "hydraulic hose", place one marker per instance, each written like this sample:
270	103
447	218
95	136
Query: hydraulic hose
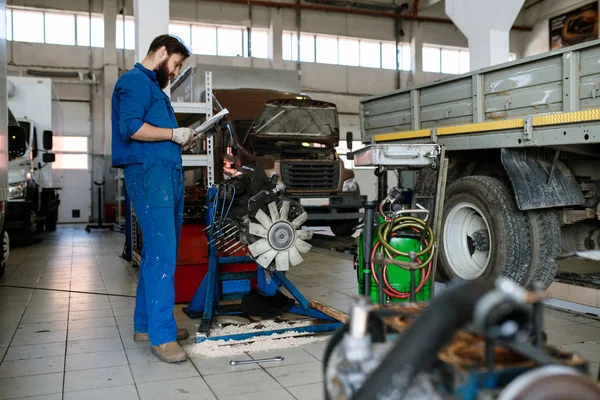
396	227
420	343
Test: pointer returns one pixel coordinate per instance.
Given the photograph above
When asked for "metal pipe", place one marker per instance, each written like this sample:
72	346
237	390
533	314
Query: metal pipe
344	10
370	207
382	184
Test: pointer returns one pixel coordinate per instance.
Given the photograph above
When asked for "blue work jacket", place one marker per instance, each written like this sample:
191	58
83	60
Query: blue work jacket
137	98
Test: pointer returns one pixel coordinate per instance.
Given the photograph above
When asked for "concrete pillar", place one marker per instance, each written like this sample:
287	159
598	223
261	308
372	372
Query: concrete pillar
151	20
416	51
486	24
275	38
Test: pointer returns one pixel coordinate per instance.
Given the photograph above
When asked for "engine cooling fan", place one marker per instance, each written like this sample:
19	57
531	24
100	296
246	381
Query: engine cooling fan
282	240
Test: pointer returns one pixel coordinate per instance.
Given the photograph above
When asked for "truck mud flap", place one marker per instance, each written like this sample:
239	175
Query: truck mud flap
540	180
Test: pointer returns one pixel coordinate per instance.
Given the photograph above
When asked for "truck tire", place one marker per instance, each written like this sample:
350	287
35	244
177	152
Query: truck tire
545	247
5	252
27	234
344	228
51	221
484	235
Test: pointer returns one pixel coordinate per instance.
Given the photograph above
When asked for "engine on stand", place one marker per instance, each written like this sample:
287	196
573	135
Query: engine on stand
250	211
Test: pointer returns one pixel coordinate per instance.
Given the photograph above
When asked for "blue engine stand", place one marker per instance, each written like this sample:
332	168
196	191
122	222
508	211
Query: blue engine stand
207	300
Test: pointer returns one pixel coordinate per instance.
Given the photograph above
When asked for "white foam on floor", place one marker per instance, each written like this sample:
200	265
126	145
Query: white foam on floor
225	348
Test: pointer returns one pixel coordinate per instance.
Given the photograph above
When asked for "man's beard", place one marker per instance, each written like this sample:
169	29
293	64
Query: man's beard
162	74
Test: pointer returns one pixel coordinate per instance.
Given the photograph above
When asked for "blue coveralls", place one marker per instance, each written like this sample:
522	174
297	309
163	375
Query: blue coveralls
154	183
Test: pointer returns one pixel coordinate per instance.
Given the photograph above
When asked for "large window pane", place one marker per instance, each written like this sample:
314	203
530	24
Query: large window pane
8	24
465	62
307	48
229	42
370	54
349	52
28	26
286	46
450	61
405	57
70	144
83	31
204	40
260	43
182	31
388	55
431	59
327	50
71	161
60	29
129	39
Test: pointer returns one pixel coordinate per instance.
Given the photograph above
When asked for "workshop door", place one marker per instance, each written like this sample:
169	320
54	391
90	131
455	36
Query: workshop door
73	158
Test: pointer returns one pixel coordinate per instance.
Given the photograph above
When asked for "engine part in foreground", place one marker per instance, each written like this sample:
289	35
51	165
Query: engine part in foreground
282	240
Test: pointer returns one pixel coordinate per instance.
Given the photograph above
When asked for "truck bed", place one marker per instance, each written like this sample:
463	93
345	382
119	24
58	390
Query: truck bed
547	100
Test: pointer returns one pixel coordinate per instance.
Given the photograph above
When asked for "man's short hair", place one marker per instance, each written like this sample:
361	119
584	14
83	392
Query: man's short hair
173	44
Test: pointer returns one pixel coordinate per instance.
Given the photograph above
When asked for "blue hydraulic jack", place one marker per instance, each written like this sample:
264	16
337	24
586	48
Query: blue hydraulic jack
206	303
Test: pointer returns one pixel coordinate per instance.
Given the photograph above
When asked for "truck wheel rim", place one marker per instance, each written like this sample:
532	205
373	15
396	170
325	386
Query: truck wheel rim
466	258
5	247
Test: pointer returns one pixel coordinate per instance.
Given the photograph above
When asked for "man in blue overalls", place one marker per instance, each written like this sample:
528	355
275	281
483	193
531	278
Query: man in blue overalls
146	142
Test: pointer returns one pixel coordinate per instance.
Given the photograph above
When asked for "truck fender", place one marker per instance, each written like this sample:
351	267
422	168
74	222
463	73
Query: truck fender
539	179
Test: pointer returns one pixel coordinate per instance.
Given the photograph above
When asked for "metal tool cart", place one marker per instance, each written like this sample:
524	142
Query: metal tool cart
399	242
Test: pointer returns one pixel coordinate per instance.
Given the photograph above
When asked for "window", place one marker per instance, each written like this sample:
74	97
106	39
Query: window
204	40
370	54
450	61
307	48
83	31
405	57
229	42
182	31
465	62
388	55
327	49
70	144
286	46
9	24
431	59
349	52
71	161
125	37
260	43
60	28
28	26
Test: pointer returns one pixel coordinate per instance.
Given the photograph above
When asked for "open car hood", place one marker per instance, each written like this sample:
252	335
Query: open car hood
300	120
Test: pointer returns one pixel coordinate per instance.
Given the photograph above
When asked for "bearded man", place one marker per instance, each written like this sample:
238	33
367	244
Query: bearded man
146	143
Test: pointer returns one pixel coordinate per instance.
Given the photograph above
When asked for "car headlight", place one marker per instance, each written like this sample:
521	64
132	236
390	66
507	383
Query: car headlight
350	185
16	191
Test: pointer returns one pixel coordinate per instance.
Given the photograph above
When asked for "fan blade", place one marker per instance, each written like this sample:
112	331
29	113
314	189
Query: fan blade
295	257
259	247
274	212
304	234
285	210
263	219
302	218
258	230
302	246
282	261
266	259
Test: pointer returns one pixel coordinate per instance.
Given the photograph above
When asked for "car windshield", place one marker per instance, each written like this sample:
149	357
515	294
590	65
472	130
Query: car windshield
292	120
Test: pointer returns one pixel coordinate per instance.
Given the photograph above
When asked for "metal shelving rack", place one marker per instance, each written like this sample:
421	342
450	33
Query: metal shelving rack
189	161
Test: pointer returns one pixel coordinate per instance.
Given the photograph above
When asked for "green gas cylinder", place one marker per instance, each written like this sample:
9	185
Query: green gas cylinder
399	278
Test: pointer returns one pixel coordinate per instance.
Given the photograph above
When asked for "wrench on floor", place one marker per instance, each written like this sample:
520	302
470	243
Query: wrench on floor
243	362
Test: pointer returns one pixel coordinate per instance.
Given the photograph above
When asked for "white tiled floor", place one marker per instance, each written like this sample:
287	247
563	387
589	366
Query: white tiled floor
71	336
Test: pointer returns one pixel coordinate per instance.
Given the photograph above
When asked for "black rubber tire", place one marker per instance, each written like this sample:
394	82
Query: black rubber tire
544	228
509	230
51	221
344	228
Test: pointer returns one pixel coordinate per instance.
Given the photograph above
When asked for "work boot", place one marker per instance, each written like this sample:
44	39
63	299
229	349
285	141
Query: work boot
170	352
143	337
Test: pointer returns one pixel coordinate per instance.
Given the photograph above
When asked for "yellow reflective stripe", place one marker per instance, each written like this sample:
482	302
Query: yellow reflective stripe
403	135
481	127
566	118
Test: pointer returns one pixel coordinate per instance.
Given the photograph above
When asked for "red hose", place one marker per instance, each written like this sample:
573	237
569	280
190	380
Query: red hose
387	288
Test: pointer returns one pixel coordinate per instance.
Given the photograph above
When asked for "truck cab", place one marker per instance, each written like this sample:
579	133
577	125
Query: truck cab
294	137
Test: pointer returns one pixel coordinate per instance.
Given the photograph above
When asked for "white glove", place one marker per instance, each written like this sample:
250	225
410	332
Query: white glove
182	135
